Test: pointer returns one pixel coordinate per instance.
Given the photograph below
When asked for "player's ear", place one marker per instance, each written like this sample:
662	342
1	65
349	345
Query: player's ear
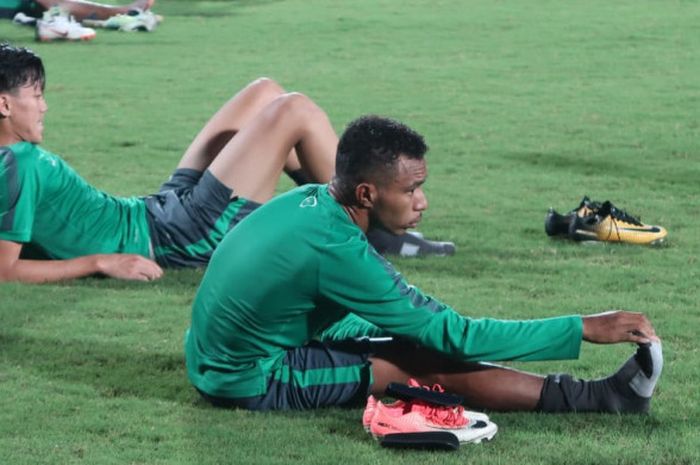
365	195
4	105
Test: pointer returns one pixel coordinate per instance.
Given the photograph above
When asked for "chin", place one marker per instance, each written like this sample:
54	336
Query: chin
394	231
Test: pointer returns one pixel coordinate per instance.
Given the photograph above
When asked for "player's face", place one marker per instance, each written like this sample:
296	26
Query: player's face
400	202
24	111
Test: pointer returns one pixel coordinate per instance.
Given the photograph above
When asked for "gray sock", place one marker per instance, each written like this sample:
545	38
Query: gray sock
651	362
629	390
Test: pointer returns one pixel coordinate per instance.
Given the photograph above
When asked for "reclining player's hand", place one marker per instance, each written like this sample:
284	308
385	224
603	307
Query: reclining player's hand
618	326
128	266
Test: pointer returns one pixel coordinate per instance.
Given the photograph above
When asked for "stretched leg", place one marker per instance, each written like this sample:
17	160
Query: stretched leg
82	9
489	386
251	162
482	385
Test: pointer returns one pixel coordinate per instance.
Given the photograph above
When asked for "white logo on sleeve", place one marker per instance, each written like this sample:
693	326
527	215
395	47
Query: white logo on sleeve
51	160
310	202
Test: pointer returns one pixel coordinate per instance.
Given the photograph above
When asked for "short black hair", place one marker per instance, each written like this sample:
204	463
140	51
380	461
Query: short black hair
369	149
19	67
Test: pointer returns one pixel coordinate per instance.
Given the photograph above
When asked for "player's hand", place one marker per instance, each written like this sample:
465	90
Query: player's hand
618	326
129	266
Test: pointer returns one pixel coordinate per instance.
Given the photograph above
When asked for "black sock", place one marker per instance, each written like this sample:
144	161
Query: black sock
629	390
409	244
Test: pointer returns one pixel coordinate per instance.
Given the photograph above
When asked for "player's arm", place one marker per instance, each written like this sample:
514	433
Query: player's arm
122	266
368	284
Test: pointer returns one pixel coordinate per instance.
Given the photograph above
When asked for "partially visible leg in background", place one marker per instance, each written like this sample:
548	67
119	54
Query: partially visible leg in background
82	9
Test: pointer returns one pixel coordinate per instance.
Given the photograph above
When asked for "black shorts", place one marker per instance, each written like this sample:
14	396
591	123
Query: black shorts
190	215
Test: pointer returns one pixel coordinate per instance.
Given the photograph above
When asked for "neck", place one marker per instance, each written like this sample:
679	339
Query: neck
5	138
359	216
7	135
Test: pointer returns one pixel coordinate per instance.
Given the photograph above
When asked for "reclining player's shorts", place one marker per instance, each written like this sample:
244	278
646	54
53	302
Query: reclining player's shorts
9	8
190	215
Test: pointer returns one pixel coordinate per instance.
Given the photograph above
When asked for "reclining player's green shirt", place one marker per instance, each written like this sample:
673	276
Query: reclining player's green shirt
10	4
45	203
299	269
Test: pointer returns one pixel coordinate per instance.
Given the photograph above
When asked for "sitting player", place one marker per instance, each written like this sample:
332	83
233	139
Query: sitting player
309	315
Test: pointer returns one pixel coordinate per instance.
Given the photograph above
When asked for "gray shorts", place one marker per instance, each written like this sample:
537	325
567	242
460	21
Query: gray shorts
333	374
29	7
190	215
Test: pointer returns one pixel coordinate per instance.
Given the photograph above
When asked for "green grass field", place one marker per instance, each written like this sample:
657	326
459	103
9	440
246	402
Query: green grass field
525	104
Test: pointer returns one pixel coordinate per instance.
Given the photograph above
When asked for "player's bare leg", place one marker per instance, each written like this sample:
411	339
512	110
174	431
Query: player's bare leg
227	121
481	385
234	115
251	162
89	10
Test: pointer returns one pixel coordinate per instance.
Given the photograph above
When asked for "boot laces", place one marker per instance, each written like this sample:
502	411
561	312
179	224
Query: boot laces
622	215
437	414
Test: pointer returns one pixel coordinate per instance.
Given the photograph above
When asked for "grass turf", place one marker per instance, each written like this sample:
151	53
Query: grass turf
525	105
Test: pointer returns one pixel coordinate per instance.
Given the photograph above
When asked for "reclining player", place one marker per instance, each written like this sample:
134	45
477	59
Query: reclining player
47	210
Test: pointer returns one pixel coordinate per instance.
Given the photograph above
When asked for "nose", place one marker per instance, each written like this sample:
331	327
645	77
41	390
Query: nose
44	106
420	201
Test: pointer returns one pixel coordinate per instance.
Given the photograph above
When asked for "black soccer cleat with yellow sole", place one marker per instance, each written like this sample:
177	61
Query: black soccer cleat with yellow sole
558	225
610	224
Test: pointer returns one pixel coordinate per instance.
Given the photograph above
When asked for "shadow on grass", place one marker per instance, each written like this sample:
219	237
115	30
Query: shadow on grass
182	280
112	370
116	371
574	162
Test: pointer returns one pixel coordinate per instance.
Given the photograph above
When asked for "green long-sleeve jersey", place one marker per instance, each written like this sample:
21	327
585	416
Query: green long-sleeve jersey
299	269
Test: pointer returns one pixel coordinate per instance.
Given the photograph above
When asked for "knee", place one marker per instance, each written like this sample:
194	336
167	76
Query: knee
298	107
265	87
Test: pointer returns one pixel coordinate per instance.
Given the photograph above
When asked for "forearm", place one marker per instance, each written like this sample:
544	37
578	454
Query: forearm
542	339
40	271
484	339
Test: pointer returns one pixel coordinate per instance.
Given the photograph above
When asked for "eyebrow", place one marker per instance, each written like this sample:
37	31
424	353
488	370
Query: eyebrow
417	184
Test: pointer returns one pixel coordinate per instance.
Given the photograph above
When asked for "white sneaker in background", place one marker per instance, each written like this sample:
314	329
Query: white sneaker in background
56	25
24	20
134	20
